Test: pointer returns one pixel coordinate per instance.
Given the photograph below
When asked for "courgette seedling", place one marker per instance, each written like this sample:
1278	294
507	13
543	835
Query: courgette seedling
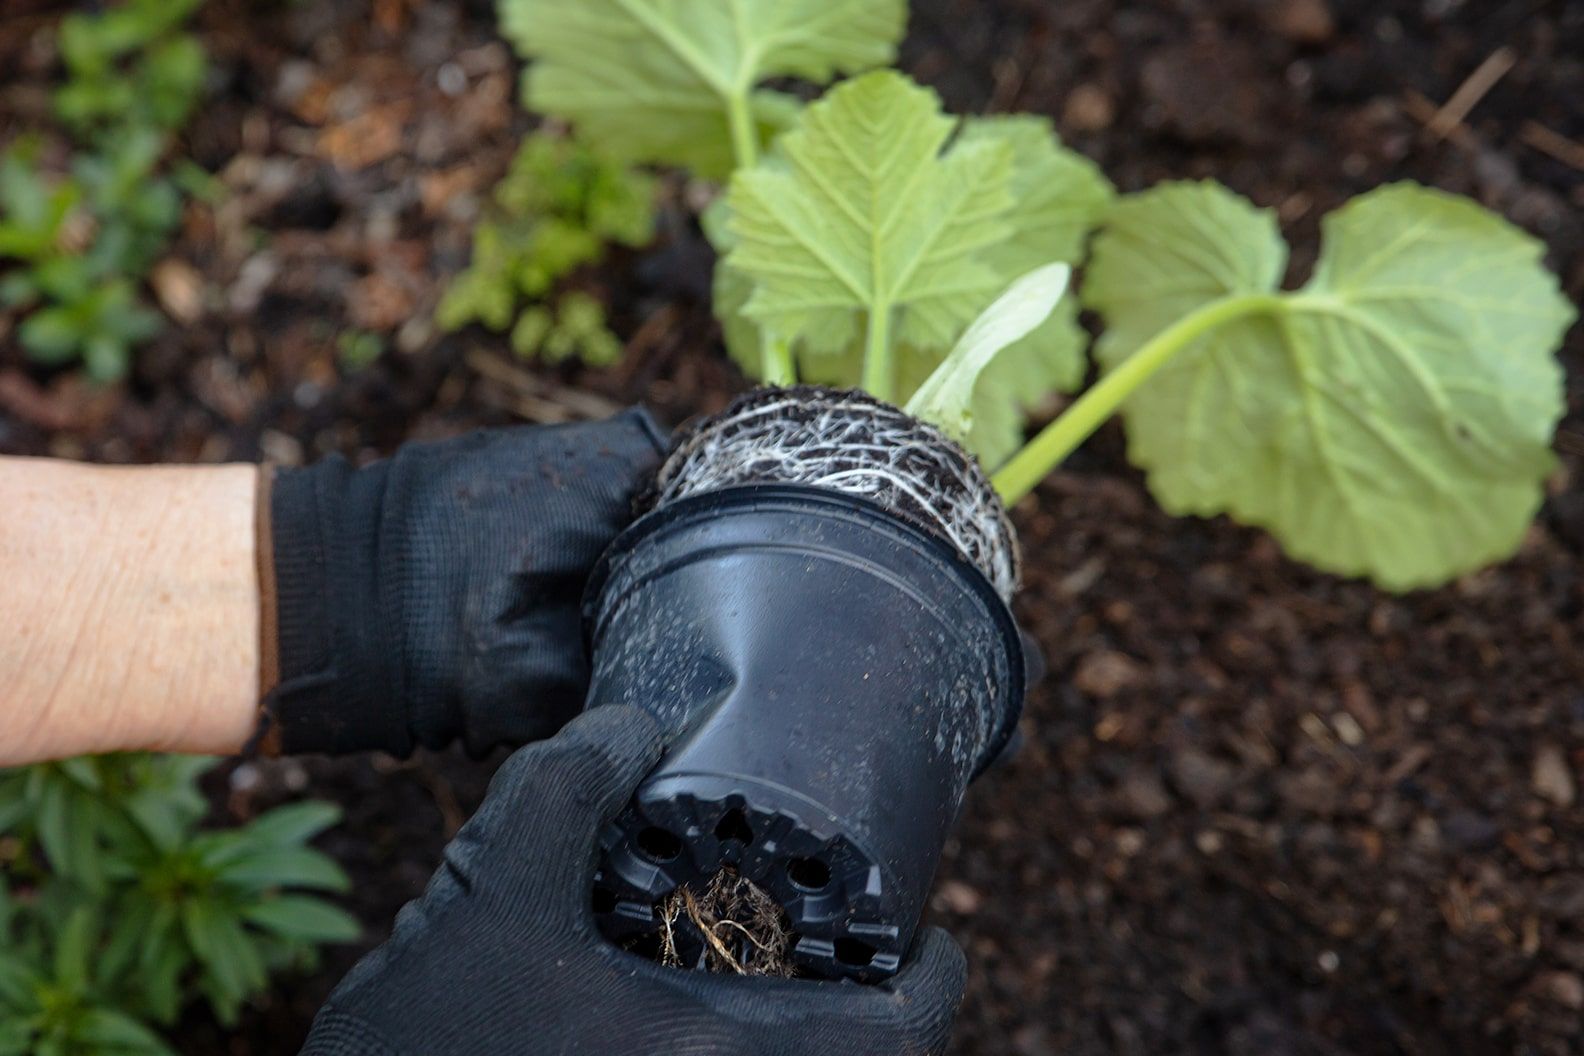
1391	418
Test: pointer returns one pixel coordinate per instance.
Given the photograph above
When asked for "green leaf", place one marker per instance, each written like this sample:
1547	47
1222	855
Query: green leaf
1391	419
358	349
592	190
657	80
549	249
1051	359
866	218
304	918
1059	195
73	948
162	961
19	289
946	398
118	1031
31	211
131	927
82	770
224	948
24	195
580	333
128	67
12	812
16	1037
1056	198
285	867
51	335
554	211
171	77
731	291
66	279
293	824
174	775
485	291
53	824
161	796
155	819
18	981
529	333
85	862
105	357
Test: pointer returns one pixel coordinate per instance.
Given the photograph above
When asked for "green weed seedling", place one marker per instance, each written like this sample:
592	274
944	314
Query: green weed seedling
557	209
81	241
118	908
57	997
1391	418
130	65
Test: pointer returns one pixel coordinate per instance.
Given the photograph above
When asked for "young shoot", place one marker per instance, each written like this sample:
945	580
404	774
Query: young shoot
946	397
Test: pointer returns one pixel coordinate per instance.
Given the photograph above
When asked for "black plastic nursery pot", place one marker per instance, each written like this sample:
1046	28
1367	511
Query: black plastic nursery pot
830	676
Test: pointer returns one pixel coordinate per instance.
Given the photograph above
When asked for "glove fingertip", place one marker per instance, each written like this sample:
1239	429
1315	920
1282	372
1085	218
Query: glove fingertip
627	742
937	973
657	435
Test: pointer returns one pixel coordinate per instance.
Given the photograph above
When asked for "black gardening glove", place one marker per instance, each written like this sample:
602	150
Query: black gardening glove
434	595
502	956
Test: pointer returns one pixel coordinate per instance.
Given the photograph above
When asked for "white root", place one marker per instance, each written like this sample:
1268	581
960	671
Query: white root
849	442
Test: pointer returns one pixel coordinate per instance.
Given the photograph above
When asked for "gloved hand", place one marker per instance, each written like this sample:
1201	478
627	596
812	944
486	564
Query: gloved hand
502	956
434	595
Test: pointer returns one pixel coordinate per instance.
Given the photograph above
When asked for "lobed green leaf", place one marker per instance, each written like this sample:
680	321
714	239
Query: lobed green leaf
1391	419
655	79
812	275
867	212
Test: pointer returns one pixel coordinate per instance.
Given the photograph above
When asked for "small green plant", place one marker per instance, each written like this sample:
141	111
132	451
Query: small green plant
357	349
119	908
574	328
57	996
1391	419
81	240
130	66
556	210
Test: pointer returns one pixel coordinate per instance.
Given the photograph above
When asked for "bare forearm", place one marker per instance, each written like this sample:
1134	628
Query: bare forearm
129	614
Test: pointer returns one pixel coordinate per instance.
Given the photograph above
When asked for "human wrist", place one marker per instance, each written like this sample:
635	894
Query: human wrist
131	615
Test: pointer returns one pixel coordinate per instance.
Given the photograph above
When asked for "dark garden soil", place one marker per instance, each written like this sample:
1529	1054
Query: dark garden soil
1259	810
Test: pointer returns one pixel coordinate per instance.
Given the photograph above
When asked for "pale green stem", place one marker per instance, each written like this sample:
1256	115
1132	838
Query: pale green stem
777	351
878	375
1077	423
778	366
745	138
